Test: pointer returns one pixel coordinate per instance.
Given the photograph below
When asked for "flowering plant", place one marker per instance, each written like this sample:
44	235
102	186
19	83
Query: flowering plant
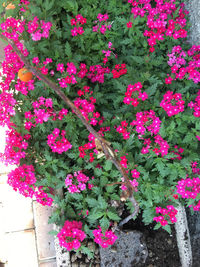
114	96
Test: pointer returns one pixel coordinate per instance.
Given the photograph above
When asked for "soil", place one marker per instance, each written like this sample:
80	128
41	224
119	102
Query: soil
162	246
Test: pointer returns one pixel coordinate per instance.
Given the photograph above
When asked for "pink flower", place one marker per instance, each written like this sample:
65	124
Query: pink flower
60	67
129	24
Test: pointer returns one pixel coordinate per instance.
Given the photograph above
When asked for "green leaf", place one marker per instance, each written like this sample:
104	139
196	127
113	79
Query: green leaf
92	202
96	215
167	228
87	251
113	216
102	202
104	223
108	165
68	50
157	226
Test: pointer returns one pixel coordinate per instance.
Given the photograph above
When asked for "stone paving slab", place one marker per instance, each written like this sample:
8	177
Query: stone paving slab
45	242
17	210
20	249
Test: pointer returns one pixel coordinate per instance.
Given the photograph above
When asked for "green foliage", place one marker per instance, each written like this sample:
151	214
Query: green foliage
158	174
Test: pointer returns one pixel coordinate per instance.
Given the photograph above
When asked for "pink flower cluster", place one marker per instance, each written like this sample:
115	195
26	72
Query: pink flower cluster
124	162
146	121
42	197
77	182
42	66
24	5
87	107
133	94
38	29
96	73
7	104
71	235
159	146
82	70
78	20
195	170
88	146
58	143
40	115
168	214
194	63
119	70
85	91
135	174
71	70
162	146
13	28
104	240
158	20
67	80
10	66
172	103
23	179
177	57
123	130
189	188
184	65
196	105
15	147
42	112
101	26
24	87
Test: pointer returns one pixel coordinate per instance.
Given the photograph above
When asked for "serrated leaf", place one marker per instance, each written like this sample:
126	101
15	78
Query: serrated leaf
92	202
104	223
87	251
113	216
95	215
167	228
102	203
68	50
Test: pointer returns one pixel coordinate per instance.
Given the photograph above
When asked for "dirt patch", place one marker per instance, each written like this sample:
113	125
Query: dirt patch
162	246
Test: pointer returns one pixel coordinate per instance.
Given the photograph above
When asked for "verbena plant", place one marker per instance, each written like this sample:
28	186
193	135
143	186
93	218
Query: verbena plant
110	115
